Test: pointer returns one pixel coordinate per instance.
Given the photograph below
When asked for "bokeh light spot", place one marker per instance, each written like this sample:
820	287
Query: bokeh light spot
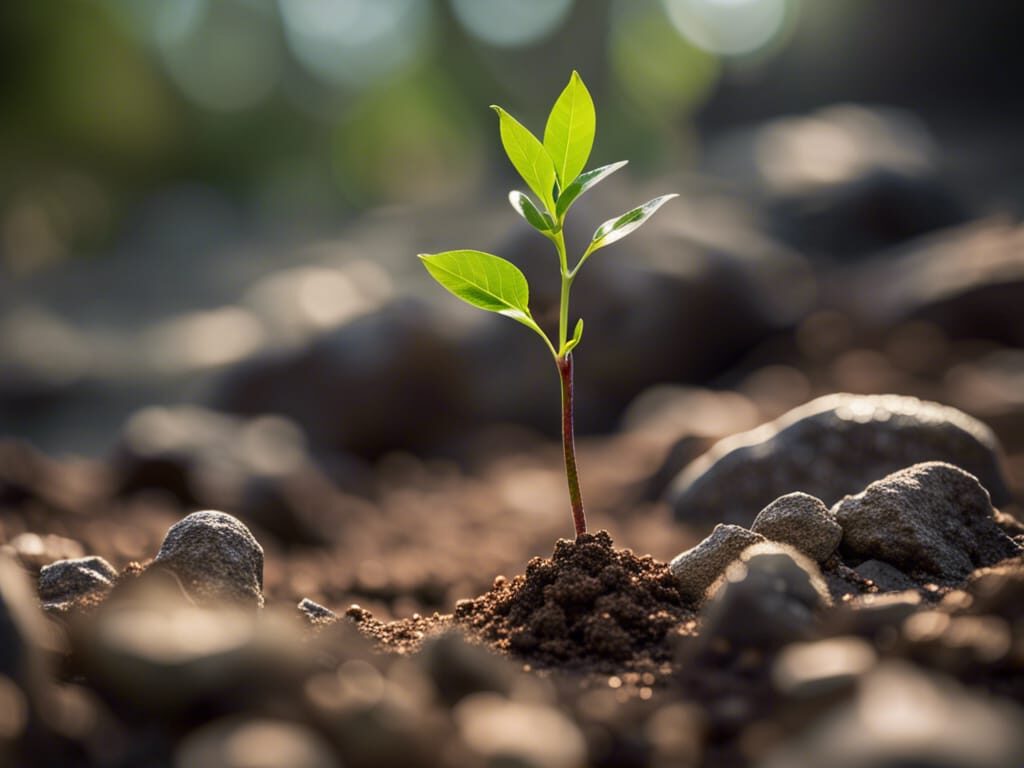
504	24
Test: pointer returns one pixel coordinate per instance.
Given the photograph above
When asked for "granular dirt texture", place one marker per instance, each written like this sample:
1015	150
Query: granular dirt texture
589	607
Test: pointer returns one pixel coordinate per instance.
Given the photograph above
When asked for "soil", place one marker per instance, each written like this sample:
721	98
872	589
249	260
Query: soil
589	609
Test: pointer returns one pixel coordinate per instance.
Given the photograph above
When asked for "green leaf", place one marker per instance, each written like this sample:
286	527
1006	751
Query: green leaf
528	156
483	280
614	230
577	337
524	207
569	133
582	183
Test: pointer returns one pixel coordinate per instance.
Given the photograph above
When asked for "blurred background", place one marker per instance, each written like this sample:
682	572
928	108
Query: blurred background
217	204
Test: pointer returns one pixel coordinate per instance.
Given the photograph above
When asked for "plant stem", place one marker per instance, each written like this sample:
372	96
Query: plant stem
569	445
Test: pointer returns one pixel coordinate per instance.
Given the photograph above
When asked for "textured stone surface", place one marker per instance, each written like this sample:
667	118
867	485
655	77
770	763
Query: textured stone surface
932	519
770	597
316	613
216	557
831	447
699	567
886	577
801	520
67	580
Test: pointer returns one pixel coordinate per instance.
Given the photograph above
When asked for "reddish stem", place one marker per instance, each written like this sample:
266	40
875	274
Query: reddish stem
569	445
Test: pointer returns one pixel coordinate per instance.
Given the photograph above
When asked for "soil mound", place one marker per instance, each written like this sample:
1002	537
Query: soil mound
588	606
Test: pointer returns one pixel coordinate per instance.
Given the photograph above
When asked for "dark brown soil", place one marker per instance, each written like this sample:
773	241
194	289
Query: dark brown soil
589	608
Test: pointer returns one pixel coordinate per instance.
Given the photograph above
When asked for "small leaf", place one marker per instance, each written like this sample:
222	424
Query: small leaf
577	337
528	156
483	280
614	230
524	207
582	183
569	133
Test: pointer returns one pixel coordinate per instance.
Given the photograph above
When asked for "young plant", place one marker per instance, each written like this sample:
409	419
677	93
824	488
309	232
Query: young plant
553	170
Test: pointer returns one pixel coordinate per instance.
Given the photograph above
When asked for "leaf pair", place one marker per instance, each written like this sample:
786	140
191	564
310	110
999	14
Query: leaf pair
559	160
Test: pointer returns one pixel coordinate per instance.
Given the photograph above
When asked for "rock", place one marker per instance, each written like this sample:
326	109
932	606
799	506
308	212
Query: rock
876	184
459	669
698	568
830	447
494	727
362	384
802	521
999	590
151	648
966	282
932	518
813	670
874	616
23	635
886	577
770	598
316	613
258	467
217	559
249	742
31	706
902	716
68	580
35	550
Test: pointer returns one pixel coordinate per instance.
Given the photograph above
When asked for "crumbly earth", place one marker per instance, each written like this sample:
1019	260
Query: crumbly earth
588	608
589	605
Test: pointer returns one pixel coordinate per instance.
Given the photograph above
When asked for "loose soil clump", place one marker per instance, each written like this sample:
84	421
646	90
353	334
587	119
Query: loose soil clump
589	607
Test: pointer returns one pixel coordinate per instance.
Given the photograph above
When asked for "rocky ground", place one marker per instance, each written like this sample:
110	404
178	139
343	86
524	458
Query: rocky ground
802	451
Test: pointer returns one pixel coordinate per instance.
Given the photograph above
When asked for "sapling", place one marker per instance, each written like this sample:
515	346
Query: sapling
553	170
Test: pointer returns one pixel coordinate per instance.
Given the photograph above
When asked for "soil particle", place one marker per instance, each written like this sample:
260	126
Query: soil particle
589	606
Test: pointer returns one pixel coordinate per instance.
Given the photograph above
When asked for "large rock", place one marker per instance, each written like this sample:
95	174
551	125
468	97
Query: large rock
802	521
699	567
216	558
830	447
932	519
967	281
243	742
904	717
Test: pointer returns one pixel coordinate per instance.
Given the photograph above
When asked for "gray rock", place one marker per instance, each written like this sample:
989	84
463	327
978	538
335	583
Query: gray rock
216	558
932	518
902	717
770	598
876	616
698	568
822	668
831	447
68	580
966	281
239	742
155	649
316	613
803	521
22	633
886	577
